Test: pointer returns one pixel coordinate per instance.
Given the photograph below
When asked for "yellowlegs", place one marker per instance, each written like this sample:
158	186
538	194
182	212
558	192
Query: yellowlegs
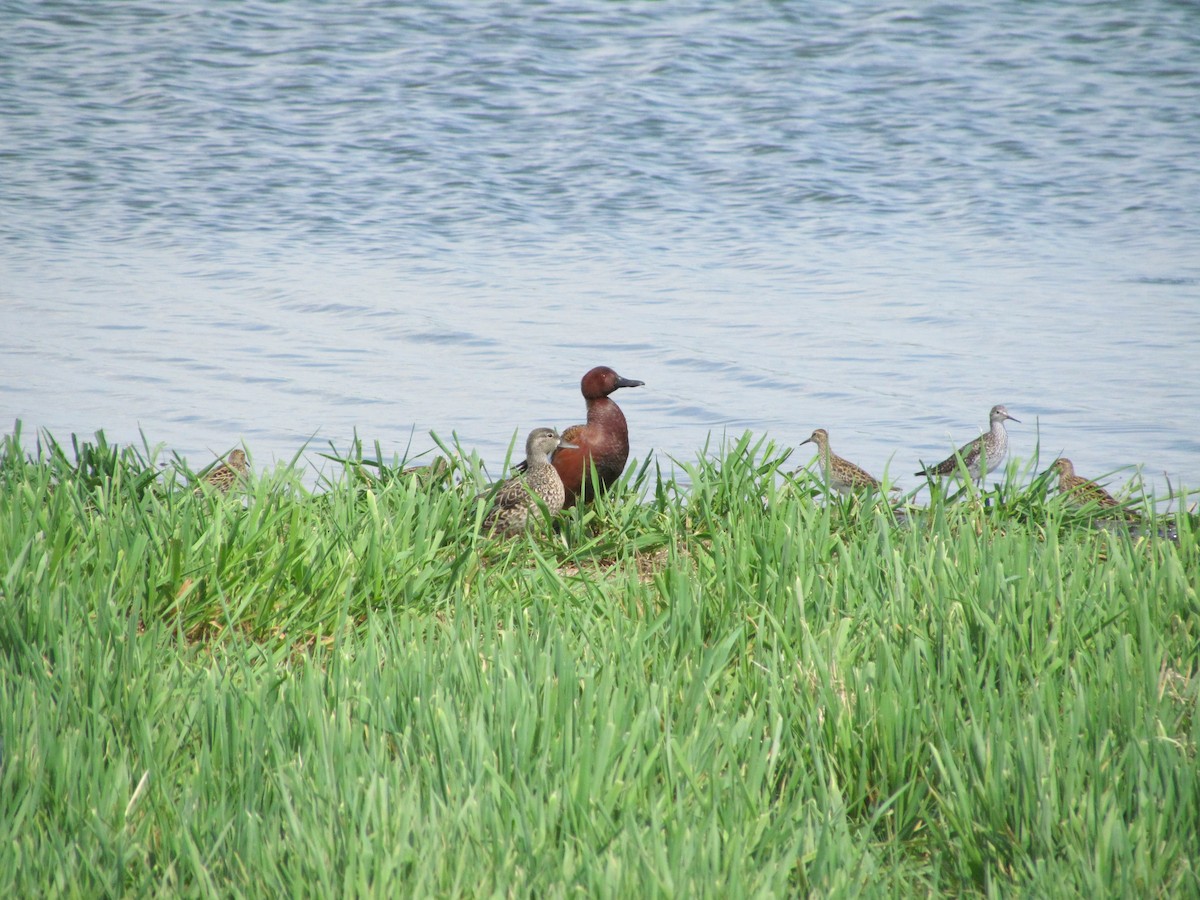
516	497
840	474
984	454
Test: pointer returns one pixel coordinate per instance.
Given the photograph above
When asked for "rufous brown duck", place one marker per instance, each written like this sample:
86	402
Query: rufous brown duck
603	439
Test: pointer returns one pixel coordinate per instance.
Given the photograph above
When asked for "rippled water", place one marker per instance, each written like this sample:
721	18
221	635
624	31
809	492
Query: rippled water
265	222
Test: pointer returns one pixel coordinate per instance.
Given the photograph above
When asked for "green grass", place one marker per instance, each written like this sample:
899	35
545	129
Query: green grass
724	686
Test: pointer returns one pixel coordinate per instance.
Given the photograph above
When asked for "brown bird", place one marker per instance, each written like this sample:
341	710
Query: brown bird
840	474
222	478
603	441
438	472
518	496
1079	490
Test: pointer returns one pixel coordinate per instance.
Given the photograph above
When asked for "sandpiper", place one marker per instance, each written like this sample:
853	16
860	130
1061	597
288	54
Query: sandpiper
1081	491
437	472
510	510
981	455
223	477
840	474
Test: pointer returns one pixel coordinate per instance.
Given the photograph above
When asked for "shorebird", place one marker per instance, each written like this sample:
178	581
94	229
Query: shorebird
982	454
840	474
515	499
1081	491
223	477
603	441
436	472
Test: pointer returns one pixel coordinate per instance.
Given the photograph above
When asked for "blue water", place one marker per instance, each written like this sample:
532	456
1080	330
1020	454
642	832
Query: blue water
275	222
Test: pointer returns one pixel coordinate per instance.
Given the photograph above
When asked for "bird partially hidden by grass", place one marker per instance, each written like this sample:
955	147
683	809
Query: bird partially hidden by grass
221	478
540	482
841	474
983	454
1081	492
438	473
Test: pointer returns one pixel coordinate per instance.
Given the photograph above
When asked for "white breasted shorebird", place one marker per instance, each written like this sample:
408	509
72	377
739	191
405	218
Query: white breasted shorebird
985	453
223	477
1081	491
514	500
840	474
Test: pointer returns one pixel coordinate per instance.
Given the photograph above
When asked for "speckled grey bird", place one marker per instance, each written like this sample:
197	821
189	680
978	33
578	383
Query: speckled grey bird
1079	490
518	496
986	452
223	477
840	474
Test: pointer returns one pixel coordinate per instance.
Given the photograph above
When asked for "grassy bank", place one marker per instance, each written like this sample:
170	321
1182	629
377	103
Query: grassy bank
730	688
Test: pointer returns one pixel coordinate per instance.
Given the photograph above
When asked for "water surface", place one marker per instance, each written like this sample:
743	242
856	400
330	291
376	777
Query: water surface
272	223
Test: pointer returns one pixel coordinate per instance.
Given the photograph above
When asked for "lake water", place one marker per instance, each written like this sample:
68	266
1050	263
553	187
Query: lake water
271	222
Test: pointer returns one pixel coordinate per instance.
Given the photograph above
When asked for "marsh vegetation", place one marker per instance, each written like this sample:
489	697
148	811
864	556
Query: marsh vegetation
725	683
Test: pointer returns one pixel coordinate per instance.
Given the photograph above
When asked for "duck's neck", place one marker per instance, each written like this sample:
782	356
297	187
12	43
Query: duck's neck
606	414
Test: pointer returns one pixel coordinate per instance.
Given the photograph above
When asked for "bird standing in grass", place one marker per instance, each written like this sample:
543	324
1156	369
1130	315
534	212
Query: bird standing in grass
602	443
223	477
984	454
518	496
840	474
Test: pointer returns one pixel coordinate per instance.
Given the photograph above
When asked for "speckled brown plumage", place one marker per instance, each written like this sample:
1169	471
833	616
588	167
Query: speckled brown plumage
223	477
515	500
840	474
1079	490
438	473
